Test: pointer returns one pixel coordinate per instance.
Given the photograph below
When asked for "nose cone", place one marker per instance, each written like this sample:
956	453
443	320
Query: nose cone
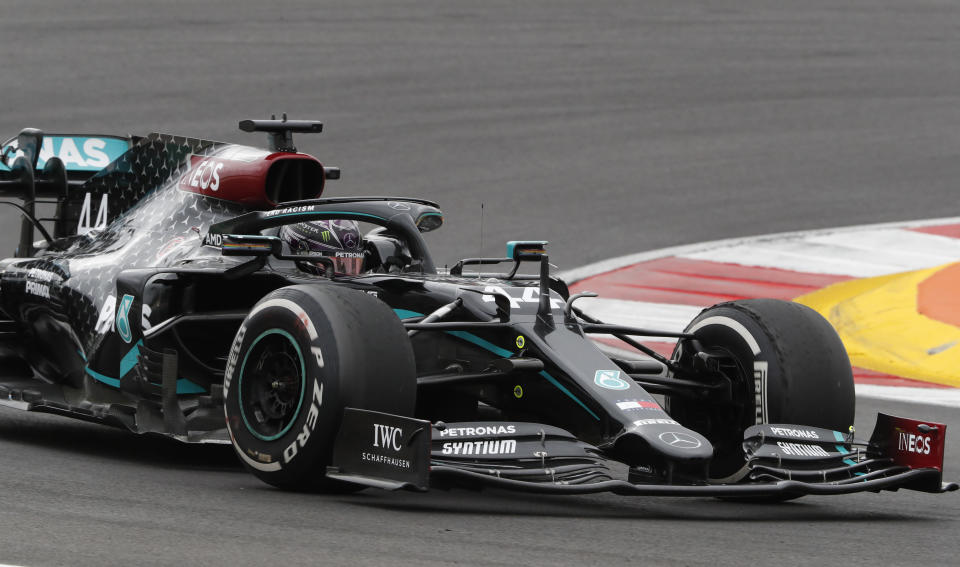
673	441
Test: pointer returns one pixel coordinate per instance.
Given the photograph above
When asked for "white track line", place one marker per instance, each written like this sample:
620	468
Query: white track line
858	251
661	316
949	397
571	276
859	254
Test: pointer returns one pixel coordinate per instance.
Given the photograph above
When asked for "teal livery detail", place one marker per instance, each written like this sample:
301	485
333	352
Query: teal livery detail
127	363
345	213
404	314
482	343
499	351
840	448
78	153
569	394
303	383
123	318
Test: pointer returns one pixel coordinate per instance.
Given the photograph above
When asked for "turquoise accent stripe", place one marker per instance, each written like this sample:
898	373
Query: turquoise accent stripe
839	437
90	153
185	386
129	360
470	337
105	379
349	213
553	381
841	449
404	314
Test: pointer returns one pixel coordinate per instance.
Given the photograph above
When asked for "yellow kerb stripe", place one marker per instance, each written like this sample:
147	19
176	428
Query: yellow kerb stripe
877	320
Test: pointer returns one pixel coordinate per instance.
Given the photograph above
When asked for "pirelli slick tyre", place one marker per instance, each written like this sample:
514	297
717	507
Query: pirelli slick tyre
302	354
789	366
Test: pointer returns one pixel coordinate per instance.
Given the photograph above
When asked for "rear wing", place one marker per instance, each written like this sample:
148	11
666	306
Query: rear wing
38	167
82	154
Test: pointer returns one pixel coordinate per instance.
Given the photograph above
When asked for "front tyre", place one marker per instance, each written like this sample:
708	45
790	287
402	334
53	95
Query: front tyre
302	354
787	365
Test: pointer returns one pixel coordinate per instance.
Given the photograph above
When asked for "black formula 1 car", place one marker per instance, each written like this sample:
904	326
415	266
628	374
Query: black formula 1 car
165	302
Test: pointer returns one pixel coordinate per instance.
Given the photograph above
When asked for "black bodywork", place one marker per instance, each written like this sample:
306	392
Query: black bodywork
131	325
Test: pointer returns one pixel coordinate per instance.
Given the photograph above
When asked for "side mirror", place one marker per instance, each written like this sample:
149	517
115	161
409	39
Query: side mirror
429	221
258	246
520	250
244	244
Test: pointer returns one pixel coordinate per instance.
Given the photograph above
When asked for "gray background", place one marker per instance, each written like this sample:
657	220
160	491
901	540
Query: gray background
604	127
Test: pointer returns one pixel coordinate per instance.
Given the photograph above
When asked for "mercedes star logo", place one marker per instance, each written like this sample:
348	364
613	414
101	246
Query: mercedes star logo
398	206
680	440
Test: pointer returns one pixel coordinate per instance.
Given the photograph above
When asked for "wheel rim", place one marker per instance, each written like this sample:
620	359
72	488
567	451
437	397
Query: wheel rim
271	384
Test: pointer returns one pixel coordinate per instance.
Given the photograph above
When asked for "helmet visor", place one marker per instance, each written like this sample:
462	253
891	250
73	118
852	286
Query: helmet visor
348	263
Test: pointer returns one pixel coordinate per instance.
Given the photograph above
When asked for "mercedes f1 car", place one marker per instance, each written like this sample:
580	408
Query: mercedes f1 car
159	297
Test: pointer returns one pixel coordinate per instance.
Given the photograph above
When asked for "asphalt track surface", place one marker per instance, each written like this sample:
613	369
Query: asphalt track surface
607	128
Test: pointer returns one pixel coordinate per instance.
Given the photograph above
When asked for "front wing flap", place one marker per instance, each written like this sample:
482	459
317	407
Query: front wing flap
814	455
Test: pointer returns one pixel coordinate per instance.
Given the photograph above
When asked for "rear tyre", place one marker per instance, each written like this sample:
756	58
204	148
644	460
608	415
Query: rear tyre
789	366
302	354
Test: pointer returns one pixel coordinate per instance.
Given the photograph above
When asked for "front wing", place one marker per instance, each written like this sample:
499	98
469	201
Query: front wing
393	452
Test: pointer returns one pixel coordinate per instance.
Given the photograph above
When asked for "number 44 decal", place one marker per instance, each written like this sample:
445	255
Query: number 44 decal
519	296
86	215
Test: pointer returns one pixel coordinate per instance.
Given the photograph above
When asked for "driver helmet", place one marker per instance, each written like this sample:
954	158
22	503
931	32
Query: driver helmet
338	240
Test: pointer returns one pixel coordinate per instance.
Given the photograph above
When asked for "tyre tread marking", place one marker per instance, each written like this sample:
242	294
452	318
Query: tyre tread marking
760	369
292	306
265	467
731	323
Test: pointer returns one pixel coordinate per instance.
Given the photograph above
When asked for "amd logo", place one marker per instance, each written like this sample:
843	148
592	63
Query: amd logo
387	436
212	239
